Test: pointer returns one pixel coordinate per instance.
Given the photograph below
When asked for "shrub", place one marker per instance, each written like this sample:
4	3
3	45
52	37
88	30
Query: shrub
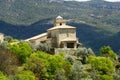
22	50
25	75
2	76
45	47
102	64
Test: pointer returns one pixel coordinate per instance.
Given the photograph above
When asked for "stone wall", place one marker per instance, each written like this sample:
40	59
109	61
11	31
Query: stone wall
67	51
54	36
1	37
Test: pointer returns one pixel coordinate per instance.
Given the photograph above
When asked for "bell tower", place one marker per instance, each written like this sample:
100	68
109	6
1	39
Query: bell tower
59	21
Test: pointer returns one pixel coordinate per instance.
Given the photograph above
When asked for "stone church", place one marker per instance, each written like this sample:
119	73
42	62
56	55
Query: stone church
59	36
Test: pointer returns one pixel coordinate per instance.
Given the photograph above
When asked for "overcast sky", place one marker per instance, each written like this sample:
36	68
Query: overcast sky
113	0
89	0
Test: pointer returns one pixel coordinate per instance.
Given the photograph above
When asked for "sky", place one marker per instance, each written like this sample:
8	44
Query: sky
77	0
89	0
113	0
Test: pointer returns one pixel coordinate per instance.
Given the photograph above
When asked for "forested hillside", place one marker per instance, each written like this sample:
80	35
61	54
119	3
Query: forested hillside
29	11
97	21
22	61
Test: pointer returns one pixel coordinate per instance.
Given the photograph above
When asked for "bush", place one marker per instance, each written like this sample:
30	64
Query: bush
83	53
70	59
60	75
78	72
108	52
25	75
8	38
22	50
37	66
45	47
52	63
102	64
2	76
106	77
8	62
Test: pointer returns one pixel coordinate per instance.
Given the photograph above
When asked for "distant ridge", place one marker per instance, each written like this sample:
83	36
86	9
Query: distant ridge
94	0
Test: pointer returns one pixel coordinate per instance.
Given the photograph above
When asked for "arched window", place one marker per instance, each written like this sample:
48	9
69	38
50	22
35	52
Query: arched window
60	24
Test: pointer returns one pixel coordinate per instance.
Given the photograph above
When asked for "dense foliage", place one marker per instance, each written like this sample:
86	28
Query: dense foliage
100	20
19	61
22	50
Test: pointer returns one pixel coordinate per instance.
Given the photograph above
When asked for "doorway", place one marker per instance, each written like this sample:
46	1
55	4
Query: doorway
70	45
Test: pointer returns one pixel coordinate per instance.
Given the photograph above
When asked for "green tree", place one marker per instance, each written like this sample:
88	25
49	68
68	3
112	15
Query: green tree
8	62
116	76
45	47
108	52
60	75
78	72
2	76
25	75
102	64
37	66
8	38
106	77
53	63
83	53
22	50
4	45
94	74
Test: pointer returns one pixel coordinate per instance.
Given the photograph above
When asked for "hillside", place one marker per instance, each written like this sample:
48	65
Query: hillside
25	18
26	12
23	62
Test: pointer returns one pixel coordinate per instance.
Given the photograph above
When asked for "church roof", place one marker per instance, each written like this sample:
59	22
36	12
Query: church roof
36	37
62	27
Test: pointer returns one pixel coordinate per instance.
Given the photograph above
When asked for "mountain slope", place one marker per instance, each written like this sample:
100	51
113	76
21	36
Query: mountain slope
29	11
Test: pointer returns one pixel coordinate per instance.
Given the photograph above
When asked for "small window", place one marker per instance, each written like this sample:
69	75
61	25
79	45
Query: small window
60	24
67	35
